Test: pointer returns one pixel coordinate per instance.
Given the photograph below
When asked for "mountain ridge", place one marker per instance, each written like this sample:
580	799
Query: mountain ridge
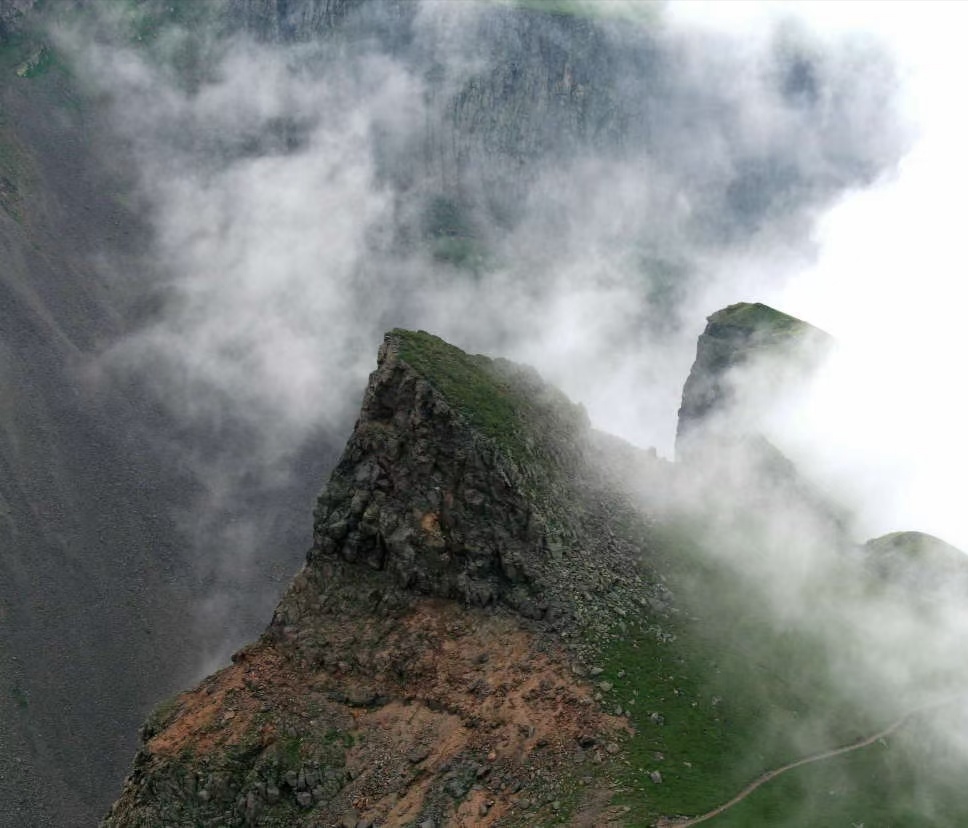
493	628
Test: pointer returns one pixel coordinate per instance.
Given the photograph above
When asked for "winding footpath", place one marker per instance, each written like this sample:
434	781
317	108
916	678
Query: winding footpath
684	822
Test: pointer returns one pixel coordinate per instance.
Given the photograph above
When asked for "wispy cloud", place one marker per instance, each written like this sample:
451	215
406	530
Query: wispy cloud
611	181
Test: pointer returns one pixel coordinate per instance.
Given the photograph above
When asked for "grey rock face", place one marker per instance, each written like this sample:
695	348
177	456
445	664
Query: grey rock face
438	505
420	496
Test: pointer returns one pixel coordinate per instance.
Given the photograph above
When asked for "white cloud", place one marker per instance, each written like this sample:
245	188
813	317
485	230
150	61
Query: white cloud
891	282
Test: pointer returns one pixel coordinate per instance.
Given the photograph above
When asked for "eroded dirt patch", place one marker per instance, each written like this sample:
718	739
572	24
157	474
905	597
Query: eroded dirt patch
463	717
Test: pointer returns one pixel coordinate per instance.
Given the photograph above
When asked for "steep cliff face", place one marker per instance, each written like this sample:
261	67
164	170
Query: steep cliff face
473	480
425	666
746	358
284	20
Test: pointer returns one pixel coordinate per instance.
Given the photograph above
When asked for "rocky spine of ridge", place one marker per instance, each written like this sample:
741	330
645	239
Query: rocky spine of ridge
425	667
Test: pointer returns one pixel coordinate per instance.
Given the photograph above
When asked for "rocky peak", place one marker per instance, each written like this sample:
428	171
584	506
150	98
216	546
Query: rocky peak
466	478
472	551
741	343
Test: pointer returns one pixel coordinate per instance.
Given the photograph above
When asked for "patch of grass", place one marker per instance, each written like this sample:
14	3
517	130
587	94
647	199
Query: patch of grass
162	715
757	320
719	691
462	252
339	737
37	63
288	751
468	381
906	780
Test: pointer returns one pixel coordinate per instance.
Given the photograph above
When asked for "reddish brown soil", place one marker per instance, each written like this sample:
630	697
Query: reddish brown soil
418	692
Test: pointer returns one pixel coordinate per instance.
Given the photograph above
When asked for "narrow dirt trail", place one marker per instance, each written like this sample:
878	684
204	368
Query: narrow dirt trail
762	779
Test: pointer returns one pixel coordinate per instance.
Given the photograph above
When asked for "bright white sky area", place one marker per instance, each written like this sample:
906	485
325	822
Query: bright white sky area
887	424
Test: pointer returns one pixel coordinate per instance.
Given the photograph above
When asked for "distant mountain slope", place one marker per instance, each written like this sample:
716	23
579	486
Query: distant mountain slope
87	570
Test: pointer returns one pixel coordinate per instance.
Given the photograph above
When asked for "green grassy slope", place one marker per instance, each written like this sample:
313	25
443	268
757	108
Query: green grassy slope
719	692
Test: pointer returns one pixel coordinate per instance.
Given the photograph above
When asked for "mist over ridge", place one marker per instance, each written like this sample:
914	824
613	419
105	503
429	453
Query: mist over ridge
566	189
575	186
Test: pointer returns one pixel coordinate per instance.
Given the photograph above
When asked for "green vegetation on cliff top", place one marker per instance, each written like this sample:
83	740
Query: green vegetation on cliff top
508	403
755	317
469	381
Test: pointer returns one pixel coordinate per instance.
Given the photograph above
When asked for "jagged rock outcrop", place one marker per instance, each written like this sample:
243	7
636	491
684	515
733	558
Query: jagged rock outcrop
471	479
471	551
746	358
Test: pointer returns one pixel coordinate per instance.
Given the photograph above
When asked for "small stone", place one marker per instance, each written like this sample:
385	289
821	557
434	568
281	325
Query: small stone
361	697
418	754
656	777
272	794
595	671
304	798
605	686
457	787
612	748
